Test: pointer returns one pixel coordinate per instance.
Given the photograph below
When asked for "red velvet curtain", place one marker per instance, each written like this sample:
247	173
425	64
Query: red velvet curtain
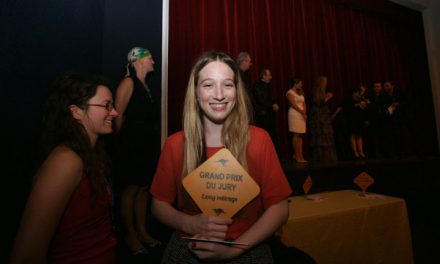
351	42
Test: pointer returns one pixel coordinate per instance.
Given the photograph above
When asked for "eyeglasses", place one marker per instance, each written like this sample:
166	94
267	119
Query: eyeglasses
109	106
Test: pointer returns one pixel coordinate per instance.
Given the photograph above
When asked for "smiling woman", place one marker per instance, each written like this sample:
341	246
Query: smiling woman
216	116
216	95
97	120
67	216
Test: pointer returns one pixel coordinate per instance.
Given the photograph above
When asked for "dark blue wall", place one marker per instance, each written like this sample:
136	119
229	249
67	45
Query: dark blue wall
128	24
38	40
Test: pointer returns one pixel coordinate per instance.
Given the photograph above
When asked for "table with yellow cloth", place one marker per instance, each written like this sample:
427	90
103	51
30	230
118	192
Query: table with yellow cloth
344	227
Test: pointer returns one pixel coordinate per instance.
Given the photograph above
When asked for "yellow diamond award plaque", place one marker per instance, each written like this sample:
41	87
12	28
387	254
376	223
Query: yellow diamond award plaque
221	186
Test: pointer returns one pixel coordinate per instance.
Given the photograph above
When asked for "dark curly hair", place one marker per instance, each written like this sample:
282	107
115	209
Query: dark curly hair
60	128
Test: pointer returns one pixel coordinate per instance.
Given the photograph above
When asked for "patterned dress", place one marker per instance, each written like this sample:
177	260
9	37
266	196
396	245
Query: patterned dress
322	143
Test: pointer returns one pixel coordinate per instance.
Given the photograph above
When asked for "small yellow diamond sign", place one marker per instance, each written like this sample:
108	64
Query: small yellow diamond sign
363	180
221	186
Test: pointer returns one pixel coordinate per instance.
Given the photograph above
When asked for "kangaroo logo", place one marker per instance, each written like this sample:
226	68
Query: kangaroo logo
219	211
223	162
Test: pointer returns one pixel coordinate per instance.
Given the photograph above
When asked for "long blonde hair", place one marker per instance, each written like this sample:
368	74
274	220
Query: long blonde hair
319	89
235	131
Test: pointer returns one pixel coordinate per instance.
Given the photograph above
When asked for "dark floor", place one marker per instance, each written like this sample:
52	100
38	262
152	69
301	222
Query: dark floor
153	255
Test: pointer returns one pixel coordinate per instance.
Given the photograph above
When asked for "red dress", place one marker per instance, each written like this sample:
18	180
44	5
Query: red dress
85	234
264	167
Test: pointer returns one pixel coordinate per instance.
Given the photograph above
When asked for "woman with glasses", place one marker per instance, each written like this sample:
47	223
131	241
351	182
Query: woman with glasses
67	215
138	148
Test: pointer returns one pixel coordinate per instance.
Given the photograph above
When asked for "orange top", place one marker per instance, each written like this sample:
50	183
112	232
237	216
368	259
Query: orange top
264	168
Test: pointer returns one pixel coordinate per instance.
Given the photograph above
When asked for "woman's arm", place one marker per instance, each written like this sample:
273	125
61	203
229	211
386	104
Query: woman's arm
123	95
292	102
214	227
328	96
268	223
54	184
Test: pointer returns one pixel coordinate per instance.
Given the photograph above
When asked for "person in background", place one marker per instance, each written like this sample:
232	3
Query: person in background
297	117
216	116
376	115
320	123
265	105
244	63
358	120
138	148
341	131
67	216
395	118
